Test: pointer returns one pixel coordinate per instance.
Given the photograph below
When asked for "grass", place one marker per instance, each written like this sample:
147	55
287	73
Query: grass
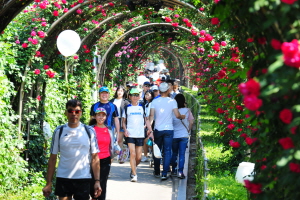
220	180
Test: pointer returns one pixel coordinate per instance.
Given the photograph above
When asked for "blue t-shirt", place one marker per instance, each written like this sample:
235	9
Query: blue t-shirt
108	107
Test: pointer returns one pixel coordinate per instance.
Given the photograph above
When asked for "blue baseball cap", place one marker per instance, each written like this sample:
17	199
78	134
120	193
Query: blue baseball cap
104	89
147	83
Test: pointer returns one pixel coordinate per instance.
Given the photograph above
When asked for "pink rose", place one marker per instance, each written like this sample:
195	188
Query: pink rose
289	1
234	144
252	102
223	43
75	57
33	33
38	98
176	15
79	11
46	66
35	41
25	45
41	34
55	13
44	23
37	71
65	10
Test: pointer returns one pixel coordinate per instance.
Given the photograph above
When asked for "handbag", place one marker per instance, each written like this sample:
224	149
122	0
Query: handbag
156	151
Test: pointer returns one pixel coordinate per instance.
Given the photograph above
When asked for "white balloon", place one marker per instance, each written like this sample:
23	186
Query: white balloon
68	42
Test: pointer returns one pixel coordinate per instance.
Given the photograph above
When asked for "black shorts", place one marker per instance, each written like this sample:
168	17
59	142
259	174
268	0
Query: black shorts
137	141
80	188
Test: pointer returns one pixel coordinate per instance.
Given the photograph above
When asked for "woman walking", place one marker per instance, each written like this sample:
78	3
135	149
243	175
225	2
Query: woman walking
120	101
149	95
182	129
105	139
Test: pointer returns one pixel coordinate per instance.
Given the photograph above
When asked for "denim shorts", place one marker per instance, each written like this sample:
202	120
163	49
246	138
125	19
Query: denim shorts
121	128
136	141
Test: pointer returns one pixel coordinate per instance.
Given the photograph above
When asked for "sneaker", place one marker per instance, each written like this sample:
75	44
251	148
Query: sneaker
156	175
144	159
131	175
181	175
174	173
164	177
134	178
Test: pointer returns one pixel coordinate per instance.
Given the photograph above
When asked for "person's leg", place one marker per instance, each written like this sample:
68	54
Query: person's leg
138	150
167	143
182	148
158	139
65	198
145	148
175	147
104	171
81	189
120	139
132	157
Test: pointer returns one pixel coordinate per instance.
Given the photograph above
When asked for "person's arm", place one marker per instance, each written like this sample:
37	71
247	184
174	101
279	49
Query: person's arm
126	133
177	114
50	171
150	131
117	124
151	116
96	171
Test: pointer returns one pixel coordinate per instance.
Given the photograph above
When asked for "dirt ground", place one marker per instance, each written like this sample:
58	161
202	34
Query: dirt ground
191	183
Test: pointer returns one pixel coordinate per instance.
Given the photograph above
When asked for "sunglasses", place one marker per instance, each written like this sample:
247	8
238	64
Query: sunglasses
74	111
135	95
147	85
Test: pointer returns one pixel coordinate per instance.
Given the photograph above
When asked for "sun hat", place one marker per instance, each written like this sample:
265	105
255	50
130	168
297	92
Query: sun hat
163	87
100	110
104	89
134	91
154	87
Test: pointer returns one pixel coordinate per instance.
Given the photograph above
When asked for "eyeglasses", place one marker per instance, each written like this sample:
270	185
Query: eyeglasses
135	95
147	85
74	111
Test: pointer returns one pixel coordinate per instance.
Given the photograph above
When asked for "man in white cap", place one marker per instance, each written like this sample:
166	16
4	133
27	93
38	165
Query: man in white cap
163	108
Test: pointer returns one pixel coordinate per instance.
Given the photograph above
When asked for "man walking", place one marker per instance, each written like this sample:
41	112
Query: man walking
112	119
133	124
162	108
78	149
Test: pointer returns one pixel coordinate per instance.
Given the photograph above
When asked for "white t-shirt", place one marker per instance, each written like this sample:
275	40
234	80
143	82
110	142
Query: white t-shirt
147	109
118	102
163	110
74	147
135	120
180	131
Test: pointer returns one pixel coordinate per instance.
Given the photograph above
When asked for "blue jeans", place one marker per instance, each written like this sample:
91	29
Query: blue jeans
178	147
163	139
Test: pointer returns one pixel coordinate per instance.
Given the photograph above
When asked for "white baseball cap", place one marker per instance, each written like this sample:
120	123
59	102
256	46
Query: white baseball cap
154	87
163	87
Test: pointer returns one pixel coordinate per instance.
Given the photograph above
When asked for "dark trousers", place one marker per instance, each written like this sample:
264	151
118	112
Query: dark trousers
104	172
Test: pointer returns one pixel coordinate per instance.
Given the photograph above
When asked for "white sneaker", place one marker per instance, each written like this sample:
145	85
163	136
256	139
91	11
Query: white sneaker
144	159
134	178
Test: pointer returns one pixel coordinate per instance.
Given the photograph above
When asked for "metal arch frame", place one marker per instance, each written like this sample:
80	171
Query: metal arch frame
128	32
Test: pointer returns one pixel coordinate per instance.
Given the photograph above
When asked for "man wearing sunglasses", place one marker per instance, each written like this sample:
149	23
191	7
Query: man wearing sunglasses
78	149
112	119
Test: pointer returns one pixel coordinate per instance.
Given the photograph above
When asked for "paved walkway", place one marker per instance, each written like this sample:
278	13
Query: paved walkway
148	187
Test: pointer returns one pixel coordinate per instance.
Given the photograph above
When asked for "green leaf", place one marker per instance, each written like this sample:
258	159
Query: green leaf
284	160
276	65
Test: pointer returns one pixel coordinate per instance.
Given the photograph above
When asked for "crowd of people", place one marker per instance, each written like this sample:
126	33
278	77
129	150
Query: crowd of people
129	119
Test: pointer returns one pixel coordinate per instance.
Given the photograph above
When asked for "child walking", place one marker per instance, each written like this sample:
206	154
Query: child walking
133	125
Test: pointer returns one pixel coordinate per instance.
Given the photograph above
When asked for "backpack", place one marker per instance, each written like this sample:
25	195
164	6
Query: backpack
140	104
61	130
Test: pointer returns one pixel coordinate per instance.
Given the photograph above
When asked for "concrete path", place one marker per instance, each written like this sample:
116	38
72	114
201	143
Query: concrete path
148	187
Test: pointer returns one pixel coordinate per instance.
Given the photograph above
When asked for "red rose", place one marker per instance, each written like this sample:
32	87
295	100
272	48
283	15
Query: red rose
46	67
286	143
250	40
24	45
215	21
220	111
295	167
252	102
276	44
41	34
286	116
37	71
244	135
55	13
250	141
293	129
254	188
289	1
234	144
38	98
290	49
231	126
262	40
168	19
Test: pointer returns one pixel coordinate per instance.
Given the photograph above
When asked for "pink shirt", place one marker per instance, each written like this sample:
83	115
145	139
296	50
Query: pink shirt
103	138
